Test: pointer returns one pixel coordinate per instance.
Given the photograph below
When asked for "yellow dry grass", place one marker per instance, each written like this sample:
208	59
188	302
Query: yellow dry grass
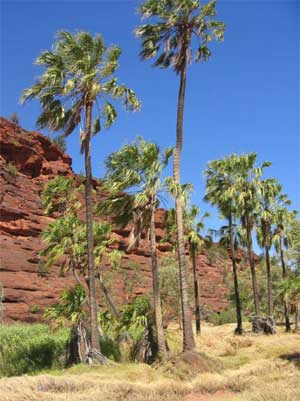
255	368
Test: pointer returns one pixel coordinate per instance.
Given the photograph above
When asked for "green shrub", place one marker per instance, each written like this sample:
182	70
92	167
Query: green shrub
123	333
110	348
35	309
30	348
11	169
223	317
1	302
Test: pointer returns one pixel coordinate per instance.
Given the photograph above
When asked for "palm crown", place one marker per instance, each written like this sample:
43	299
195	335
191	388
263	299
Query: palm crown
271	199
78	71
193	225
182	34
134	179
66	242
235	183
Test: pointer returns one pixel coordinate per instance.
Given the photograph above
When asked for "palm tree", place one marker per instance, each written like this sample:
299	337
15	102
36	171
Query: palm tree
281	237
65	240
63	196
220	191
270	189
294	240
193	226
79	83
289	291
178	33
294	255
248	188
136	169
70	310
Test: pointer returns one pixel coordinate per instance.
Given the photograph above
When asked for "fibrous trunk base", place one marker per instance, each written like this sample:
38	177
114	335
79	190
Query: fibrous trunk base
146	349
261	325
79	349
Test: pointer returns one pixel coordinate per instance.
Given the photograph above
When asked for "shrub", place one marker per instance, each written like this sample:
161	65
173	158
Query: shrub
29	348
110	348
14	118
223	317
35	309
11	169
122	335
1	302
216	253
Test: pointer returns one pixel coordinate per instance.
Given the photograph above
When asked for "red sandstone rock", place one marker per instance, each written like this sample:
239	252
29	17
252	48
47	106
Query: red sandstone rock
27	288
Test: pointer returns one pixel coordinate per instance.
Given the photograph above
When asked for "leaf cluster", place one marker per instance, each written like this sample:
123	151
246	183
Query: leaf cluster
178	32
79	72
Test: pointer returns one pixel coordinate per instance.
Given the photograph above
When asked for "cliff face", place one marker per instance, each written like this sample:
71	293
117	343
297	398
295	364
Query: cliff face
28	161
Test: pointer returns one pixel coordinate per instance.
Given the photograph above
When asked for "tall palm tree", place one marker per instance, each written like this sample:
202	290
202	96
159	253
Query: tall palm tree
136	169
177	34
289	291
294	241
270	191
248	188
220	191
281	237
77	85
193	227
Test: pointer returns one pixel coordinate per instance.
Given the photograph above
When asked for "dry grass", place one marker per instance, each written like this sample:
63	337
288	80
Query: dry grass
253	369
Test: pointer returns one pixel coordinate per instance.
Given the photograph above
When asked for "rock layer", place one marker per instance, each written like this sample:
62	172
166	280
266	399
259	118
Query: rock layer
28	161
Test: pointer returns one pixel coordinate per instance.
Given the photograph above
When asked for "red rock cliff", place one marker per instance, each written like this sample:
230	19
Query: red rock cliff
28	160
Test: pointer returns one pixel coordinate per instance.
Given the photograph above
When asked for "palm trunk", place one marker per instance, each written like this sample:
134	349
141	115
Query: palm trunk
269	280
108	298
196	289
286	311
239	329
297	318
252	267
162	350
90	239
188	337
266	229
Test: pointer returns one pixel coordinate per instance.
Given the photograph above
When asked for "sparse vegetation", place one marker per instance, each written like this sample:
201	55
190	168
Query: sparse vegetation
35	309
11	169
1	302
14	118
224	317
245	368
60	141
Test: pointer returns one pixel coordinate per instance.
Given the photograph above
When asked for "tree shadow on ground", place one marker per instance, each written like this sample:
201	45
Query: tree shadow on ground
293	357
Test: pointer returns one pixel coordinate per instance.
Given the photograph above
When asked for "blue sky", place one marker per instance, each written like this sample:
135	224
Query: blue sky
245	99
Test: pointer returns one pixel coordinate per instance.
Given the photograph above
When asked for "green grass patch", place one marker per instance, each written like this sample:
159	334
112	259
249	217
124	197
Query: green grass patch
31	348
